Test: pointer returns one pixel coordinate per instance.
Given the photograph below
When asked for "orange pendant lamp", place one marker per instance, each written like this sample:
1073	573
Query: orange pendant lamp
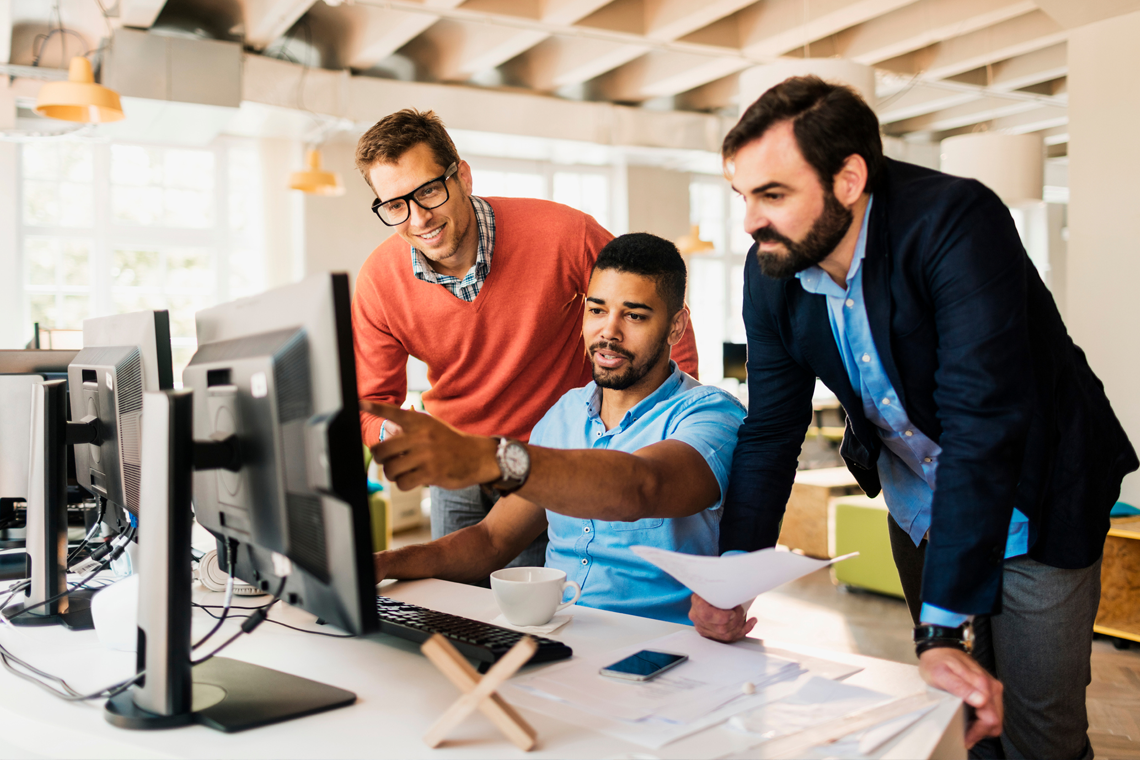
314	180
79	98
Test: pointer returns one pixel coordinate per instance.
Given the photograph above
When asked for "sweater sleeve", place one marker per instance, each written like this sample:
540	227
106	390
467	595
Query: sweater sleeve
381	360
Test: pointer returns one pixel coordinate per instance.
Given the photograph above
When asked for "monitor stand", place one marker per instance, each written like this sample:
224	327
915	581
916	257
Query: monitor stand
46	543
224	694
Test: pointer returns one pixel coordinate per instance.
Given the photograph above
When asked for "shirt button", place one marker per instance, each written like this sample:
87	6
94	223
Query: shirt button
586	529
585	561
909	433
866	357
928	460
886	402
849	303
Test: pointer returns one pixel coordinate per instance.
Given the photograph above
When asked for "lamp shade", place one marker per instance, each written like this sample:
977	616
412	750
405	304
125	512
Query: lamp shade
1013	166
315	181
692	243
79	98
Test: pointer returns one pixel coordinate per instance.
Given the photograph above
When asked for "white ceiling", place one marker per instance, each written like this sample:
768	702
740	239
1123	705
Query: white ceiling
944	67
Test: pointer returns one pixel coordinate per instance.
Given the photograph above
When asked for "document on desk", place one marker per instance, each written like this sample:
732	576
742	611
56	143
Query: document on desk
702	692
728	581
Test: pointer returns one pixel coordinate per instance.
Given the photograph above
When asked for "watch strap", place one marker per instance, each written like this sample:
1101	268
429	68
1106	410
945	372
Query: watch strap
939	636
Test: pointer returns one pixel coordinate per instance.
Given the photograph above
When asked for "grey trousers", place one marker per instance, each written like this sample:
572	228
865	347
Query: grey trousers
1039	647
452	510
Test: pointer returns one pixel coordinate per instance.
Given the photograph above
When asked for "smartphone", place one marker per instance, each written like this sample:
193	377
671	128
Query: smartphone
644	665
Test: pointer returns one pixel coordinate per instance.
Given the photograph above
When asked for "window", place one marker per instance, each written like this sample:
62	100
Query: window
716	278
115	228
586	188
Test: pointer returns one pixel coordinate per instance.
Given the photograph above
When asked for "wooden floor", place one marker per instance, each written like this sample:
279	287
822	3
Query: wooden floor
814	611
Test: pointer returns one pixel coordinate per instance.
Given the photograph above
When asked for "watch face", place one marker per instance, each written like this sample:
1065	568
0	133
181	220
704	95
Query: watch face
514	462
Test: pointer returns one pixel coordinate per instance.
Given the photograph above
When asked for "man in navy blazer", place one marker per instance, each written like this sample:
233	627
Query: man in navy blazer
909	294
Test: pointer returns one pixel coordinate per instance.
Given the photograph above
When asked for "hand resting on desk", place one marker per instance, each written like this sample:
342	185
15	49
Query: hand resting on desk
720	625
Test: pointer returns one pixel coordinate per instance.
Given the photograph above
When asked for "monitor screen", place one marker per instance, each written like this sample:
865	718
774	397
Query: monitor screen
277	373
123	356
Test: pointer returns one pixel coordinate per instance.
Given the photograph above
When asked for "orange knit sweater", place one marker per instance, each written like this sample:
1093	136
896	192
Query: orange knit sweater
498	363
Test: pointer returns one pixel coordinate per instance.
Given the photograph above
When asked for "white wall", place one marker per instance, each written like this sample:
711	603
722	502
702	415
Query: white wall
11	295
1103	262
340	232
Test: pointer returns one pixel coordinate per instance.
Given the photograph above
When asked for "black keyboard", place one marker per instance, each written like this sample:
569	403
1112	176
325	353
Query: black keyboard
475	640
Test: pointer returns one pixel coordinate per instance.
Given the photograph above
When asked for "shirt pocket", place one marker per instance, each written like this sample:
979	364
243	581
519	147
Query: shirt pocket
648	523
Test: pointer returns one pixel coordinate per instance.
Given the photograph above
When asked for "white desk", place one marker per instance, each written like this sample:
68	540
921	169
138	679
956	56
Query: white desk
399	694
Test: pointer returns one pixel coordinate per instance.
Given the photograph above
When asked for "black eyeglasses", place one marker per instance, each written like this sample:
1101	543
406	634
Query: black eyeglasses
429	195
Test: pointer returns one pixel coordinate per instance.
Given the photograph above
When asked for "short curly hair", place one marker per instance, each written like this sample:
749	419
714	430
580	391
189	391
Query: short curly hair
396	134
649	256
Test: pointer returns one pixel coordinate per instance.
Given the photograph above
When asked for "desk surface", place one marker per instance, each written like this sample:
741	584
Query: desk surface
399	694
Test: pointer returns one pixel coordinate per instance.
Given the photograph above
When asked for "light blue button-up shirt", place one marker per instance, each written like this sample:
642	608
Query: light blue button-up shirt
908	461
595	553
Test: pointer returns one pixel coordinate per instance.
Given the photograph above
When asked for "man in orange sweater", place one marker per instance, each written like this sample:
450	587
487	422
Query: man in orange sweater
489	293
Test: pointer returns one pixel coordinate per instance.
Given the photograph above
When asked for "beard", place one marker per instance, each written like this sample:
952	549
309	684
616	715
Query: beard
634	371
825	233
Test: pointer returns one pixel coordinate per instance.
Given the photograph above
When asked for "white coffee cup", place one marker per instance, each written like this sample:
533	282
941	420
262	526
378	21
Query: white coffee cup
531	595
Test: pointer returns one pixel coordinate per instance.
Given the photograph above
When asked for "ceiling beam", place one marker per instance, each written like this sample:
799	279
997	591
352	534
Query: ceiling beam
567	61
714	96
377	33
916	26
1045	118
455	51
671	19
919	100
774	27
569	11
1008	39
266	20
966	115
139	14
662	74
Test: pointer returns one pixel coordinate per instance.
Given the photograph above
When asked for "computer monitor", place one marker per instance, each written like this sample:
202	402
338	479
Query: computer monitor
19	371
277	371
123	356
736	361
278	464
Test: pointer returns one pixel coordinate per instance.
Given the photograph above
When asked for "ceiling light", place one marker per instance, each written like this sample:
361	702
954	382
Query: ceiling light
692	243
79	98
315	181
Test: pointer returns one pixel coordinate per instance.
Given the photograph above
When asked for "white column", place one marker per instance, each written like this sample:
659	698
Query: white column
11	295
1103	262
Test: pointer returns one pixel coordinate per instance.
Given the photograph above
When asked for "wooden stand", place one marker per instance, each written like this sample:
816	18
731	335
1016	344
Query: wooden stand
1119	612
479	693
809	509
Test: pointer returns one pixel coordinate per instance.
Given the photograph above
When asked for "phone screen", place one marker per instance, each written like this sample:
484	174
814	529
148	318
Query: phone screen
645	663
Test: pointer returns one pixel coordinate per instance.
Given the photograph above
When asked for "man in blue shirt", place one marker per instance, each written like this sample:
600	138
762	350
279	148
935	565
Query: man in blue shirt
640	456
909	294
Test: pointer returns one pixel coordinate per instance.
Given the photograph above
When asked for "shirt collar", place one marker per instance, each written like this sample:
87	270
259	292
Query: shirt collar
815	280
663	391
485	224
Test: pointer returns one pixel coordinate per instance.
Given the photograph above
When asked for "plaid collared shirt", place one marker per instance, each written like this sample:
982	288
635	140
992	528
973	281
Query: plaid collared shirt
468	287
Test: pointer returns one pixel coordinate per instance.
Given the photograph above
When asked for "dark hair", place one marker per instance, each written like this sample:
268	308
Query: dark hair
397	133
830	122
649	256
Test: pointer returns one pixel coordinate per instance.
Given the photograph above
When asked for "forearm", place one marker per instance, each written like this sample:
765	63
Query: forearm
464	556
608	485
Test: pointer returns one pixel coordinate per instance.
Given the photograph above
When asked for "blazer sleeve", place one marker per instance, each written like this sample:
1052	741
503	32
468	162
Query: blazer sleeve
769	442
975	274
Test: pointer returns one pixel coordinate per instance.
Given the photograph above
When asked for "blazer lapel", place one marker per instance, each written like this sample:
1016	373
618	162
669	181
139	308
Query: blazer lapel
877	294
812	330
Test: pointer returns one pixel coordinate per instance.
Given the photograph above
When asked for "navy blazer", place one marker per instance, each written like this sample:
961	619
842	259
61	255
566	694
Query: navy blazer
973	344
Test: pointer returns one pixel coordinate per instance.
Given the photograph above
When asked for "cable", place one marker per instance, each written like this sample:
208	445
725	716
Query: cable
275	622
118	550
229	595
252	622
66	692
91	533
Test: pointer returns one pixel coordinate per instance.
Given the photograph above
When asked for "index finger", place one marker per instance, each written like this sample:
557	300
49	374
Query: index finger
388	411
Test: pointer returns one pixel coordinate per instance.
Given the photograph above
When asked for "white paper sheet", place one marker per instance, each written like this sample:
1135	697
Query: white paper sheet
728	581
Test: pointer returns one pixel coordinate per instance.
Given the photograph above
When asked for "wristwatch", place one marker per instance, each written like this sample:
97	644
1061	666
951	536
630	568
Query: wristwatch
935	636
514	464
